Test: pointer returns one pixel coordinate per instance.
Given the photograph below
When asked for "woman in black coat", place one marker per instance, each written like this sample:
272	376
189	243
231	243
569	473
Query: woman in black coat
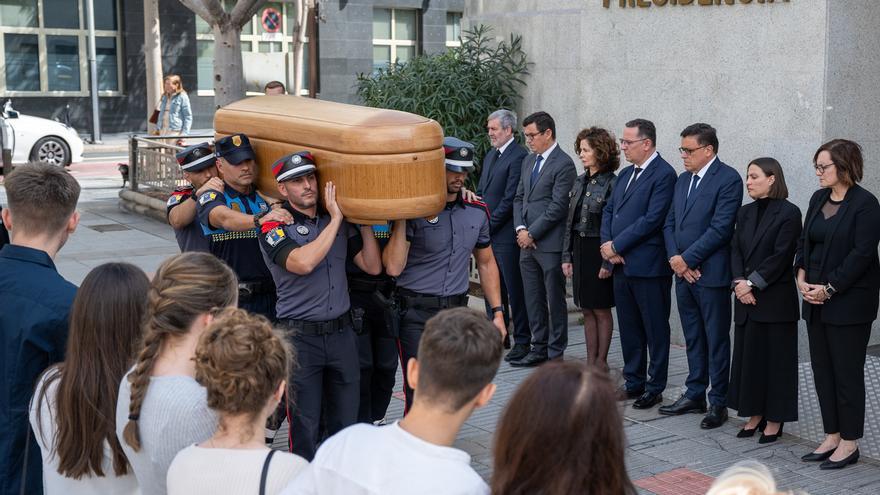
838	274
763	378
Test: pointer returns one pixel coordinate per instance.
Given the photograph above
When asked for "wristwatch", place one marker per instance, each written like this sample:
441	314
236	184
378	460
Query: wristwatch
829	290
750	283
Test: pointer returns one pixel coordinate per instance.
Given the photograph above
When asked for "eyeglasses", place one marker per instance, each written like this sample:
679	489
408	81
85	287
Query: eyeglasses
688	152
530	136
822	168
630	143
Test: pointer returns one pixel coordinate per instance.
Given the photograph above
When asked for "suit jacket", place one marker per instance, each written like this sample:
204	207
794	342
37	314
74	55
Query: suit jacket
633	219
763	253
700	230
498	182
542	206
849	260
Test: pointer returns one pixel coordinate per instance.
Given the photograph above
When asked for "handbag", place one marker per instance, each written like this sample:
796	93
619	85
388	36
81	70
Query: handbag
154	118
265	474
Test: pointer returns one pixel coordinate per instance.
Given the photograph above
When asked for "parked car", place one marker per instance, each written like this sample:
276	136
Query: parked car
34	139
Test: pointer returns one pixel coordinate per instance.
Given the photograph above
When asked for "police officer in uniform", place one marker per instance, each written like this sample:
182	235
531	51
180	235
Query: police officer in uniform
308	262
231	211
377	345
430	257
198	165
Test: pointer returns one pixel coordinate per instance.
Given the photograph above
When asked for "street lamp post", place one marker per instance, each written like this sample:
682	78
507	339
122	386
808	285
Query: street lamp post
93	73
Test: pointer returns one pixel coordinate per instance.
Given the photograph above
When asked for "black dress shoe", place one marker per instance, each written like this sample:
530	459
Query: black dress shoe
850	459
817	456
625	394
765	438
750	432
716	417
683	405
647	401
518	352
530	359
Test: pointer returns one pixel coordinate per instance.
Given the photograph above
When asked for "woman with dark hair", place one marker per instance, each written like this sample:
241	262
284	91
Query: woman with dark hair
73	410
161	408
763	372
838	274
561	433
581	259
243	363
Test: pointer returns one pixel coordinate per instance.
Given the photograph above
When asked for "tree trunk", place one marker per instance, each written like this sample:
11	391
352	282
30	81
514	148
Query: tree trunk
228	75
152	55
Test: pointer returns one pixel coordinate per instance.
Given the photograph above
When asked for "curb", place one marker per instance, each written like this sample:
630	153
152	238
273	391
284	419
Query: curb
105	148
142	204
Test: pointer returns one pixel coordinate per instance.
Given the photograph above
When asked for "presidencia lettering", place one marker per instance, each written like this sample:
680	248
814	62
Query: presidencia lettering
663	3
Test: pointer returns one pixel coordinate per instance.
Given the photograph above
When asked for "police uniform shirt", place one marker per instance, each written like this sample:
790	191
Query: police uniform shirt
191	237
240	250
321	295
441	247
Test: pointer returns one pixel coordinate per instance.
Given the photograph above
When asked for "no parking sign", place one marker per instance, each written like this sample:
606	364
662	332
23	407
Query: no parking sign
271	20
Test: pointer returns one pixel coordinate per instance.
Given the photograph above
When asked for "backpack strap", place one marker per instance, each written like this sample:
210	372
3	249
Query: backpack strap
265	474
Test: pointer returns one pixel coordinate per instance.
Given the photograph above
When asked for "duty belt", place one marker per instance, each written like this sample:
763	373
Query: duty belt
361	285
424	301
317	328
248	289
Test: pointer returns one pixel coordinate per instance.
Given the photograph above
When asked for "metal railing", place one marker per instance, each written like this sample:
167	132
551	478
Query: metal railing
152	162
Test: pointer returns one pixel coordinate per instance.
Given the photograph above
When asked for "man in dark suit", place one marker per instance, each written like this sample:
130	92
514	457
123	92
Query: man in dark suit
539	210
632	239
498	182
697	232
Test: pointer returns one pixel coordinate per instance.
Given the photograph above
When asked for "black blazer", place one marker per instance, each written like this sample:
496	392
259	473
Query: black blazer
850	262
763	253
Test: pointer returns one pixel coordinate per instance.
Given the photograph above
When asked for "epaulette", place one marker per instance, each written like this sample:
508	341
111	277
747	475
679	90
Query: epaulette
268	226
479	204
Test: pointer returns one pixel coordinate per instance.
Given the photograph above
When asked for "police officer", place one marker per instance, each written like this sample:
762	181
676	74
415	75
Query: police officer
377	346
198	165
430	257
308	262
230	211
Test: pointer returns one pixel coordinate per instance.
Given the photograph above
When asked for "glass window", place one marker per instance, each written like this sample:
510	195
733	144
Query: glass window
202	27
22	62
18	13
205	64
270	47
105	15
382	24
105	53
63	14
289	18
381	56
62	55
405	25
405	53
453	27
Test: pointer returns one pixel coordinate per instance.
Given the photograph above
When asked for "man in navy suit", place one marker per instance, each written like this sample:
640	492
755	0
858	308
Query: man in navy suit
632	239
502	168
697	232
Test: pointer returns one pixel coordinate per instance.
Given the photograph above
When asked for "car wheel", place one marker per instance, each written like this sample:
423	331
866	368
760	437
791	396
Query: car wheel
51	150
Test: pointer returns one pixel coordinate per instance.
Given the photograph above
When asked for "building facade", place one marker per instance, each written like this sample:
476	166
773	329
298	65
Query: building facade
43	52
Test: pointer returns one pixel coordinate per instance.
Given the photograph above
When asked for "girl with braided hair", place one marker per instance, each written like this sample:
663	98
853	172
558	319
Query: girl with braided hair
161	408
243	363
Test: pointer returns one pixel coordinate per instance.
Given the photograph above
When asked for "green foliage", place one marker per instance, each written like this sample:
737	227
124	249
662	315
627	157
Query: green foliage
458	88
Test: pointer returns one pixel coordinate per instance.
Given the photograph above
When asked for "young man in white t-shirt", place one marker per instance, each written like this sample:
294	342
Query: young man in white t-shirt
458	356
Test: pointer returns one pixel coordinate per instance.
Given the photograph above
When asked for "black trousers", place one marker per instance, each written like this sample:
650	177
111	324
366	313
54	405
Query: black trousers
837	355
377	352
326	379
260	304
763	371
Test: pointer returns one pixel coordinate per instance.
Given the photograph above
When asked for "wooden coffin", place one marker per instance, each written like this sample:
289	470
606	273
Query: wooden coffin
387	165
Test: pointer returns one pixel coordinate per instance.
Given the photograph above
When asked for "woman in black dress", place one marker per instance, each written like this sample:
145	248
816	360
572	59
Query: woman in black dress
593	288
838	274
763	372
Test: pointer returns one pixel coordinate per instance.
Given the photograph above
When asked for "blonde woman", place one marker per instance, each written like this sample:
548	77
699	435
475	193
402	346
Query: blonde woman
175	113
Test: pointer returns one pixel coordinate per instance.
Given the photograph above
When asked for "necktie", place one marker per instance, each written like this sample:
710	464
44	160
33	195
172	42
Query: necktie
489	163
635	176
694	179
535	170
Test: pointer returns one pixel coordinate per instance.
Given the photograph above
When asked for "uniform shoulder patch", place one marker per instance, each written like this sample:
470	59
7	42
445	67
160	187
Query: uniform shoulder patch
207	197
179	195
275	235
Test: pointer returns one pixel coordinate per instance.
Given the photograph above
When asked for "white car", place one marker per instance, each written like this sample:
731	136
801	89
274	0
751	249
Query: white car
34	139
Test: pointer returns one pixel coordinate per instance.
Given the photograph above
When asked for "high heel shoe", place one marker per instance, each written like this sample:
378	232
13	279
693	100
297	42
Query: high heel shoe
750	432
765	438
818	456
850	459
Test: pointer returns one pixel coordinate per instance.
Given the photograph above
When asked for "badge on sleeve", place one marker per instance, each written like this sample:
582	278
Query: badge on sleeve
207	197
173	200
274	236
302	230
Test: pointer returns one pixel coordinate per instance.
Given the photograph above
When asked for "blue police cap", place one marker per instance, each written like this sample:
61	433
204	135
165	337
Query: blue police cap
196	157
459	155
234	149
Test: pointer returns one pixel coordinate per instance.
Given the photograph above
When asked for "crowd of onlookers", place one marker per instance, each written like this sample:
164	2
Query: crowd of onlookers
131	385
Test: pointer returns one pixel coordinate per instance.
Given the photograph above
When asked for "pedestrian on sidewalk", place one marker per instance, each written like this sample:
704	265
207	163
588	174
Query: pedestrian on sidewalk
174	117
838	274
763	370
34	306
